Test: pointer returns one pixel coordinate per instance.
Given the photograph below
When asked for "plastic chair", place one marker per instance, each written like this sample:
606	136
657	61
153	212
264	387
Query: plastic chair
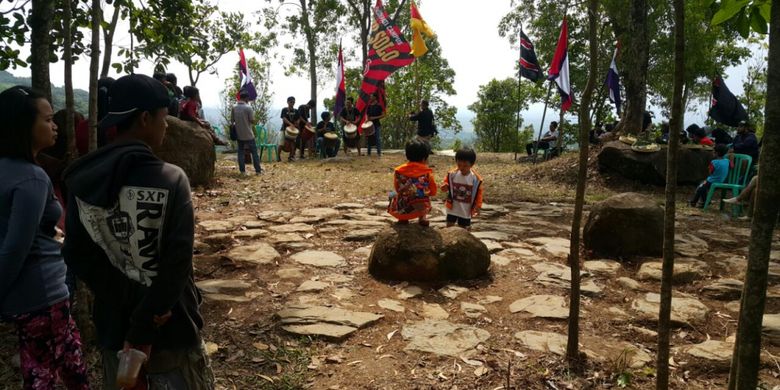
736	181
261	140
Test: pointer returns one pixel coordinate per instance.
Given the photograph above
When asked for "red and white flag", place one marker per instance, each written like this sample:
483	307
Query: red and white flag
341	86
559	67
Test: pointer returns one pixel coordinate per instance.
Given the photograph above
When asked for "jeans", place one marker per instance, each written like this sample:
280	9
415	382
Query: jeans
243	145
327	152
701	193
378	135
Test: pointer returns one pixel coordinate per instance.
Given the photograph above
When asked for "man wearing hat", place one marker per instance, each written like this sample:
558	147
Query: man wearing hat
745	142
130	236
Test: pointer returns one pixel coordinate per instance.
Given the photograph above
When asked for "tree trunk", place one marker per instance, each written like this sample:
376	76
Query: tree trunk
312	46
676	126
94	64
746	360
635	62
108	40
69	130
41	18
572	345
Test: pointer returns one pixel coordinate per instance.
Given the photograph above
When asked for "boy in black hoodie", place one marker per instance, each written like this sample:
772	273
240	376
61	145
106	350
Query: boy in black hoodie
130	234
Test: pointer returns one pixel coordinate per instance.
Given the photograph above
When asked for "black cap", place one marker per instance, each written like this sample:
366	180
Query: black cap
131	94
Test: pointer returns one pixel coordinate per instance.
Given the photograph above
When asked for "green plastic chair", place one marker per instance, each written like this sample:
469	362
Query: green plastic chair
261	140
736	181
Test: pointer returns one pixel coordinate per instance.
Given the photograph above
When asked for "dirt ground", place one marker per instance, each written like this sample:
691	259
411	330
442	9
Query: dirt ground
250	350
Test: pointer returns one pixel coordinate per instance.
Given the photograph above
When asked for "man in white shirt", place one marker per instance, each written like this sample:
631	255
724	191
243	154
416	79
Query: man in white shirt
547	139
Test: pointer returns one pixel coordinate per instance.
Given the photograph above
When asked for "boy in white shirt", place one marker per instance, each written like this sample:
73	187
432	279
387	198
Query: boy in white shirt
464	190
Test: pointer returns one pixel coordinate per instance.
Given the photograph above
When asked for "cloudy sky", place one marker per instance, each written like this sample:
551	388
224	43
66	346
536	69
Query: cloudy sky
486	56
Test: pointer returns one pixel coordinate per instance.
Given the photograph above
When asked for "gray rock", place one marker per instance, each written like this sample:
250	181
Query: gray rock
472	310
333	322
285	238
319	259
363	251
492	246
258	253
557	275
412	252
219	240
191	148
650	168
361	235
410	292
770	328
723	289
542	341
629	283
349	206
391	304
274	216
524	254
685	270
598	349
321	213
713	351
688	245
541	306
625	225
451	291
217	226
292	228
443	338
492	235
488	299
218	285
289	273
552	246
602	267
250	234
684	310
500	260
539	210
434	311
227	298
355	224
312	285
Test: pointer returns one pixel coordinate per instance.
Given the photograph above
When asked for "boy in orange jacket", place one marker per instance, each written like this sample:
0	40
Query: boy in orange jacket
414	185
464	190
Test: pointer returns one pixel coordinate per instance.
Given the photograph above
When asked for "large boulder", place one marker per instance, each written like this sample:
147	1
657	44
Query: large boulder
650	168
627	224
413	252
191	148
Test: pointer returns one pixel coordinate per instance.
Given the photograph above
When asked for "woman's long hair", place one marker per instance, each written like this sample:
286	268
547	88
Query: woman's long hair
19	110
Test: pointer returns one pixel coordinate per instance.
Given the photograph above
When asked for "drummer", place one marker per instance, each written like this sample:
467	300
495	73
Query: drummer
375	113
350	116
326	126
290	118
305	138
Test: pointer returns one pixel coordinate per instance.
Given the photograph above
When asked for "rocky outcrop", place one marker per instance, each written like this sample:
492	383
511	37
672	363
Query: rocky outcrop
189	147
627	224
650	168
413	252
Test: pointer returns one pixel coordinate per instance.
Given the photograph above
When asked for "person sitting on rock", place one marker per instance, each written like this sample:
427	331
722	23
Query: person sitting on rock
189	111
464	190
719	170
699	136
414	185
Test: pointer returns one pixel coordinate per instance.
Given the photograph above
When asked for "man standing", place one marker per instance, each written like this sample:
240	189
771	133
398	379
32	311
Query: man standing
130	231
375	113
290	118
425	127
350	116
547	138
305	137
244	120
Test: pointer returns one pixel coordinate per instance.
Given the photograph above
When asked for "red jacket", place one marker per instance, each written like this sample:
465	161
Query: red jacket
414	185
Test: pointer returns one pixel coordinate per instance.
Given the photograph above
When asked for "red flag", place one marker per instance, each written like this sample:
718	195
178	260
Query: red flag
388	52
559	67
341	87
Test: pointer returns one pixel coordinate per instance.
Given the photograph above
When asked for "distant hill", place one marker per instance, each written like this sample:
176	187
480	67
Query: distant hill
80	96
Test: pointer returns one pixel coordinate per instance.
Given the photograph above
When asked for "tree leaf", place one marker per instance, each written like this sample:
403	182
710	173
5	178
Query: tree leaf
728	9
743	24
757	21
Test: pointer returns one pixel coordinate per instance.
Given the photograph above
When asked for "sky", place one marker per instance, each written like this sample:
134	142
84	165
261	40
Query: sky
467	32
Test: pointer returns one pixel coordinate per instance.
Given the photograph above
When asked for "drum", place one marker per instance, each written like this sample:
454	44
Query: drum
368	128
350	131
291	133
307	133
331	139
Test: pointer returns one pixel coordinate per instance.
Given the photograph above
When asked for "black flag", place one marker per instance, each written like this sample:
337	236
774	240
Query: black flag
529	64
725	108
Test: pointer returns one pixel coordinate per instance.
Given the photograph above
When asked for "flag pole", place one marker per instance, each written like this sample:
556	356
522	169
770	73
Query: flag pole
541	127
519	89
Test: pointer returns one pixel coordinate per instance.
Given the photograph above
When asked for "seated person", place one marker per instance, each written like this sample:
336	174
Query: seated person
699	136
663	139
189	111
327	148
745	142
548	138
719	170
721	136
595	133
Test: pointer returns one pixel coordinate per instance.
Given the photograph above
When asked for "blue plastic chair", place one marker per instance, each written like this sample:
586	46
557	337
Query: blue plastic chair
261	140
736	181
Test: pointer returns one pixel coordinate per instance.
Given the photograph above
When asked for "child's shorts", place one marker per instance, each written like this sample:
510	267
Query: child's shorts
462	222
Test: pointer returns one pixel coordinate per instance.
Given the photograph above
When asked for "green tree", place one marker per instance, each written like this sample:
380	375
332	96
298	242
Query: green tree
13	33
747	348
754	92
313	21
41	21
495	123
